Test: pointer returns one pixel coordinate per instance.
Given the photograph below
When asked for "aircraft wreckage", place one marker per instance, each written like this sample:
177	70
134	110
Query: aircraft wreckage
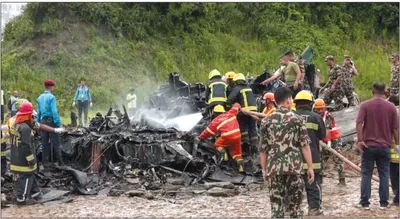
153	155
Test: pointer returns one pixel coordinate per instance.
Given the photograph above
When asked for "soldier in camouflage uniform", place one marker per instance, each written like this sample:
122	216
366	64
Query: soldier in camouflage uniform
349	72
284	141
304	79
394	79
334	85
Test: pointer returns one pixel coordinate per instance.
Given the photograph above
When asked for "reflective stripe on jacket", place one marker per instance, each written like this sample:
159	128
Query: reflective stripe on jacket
316	131
268	111
21	151
243	95
226	124
335	132
216	91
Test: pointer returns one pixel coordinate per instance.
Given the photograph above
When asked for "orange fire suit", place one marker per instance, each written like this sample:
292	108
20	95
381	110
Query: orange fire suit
228	126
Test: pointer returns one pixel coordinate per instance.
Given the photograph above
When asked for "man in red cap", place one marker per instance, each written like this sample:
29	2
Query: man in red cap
47	114
23	161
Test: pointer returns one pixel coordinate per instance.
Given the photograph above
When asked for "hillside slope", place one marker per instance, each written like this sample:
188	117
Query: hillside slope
115	46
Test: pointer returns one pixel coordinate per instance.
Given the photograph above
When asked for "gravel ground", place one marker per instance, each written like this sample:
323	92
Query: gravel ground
337	202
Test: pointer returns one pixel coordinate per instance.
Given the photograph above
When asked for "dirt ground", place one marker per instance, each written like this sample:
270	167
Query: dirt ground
337	202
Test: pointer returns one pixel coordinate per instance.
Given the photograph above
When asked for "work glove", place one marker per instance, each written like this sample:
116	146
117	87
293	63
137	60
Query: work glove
32	164
329	144
73	104
91	104
397	149
59	130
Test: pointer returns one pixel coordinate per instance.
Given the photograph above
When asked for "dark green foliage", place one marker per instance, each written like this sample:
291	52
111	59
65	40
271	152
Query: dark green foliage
119	45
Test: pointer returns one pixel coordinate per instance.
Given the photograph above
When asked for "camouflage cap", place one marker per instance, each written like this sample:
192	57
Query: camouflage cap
395	55
329	58
347	57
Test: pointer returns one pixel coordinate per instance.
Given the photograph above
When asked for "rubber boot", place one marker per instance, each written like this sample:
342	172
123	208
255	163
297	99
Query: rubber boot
240	165
223	153
315	212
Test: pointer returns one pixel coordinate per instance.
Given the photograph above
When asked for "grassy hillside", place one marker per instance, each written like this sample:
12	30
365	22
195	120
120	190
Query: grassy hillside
115	46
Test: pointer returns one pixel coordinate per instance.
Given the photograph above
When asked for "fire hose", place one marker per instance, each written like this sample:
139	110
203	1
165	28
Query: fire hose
334	152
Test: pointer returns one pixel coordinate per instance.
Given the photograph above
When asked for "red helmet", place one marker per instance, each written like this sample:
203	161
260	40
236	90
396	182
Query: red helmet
25	108
269	96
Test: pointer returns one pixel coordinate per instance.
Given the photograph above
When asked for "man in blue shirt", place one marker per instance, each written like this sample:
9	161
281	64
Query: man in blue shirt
47	114
82	95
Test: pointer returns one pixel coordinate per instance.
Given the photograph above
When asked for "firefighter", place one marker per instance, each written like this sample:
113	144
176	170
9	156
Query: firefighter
316	131
23	161
228	126
215	91
229	76
243	95
332	139
270	105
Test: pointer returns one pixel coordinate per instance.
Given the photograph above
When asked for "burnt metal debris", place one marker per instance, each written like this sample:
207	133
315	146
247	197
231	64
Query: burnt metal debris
117	155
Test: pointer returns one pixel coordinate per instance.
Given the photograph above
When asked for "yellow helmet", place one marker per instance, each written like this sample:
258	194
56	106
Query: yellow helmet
293	106
213	73
239	76
304	95
230	75
219	109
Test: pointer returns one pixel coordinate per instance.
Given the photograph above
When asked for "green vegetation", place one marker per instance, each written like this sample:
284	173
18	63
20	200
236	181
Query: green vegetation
115	46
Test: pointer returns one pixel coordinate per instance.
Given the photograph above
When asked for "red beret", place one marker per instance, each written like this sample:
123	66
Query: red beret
49	83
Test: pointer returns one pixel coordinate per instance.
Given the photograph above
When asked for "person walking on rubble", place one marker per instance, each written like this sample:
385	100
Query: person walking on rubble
332	139
215	91
291	73
270	105
131	98
377	121
284	133
395	75
334	85
226	124
82	95
395	157
47	114
316	132
229	76
23	159
349	73
243	95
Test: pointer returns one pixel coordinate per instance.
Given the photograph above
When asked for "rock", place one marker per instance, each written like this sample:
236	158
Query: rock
135	193
149	196
199	191
132	180
225	185
220	192
176	181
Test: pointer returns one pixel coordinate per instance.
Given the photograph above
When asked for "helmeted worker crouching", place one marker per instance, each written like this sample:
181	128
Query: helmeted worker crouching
316	131
332	139
228	126
243	95
23	160
215	91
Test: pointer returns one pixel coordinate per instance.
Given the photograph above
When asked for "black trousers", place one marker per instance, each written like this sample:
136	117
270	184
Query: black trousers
55	142
83	106
314	192
27	187
2	114
249	124
3	159
394	178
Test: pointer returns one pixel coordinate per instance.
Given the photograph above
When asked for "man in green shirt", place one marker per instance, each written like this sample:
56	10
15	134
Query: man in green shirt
291	73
